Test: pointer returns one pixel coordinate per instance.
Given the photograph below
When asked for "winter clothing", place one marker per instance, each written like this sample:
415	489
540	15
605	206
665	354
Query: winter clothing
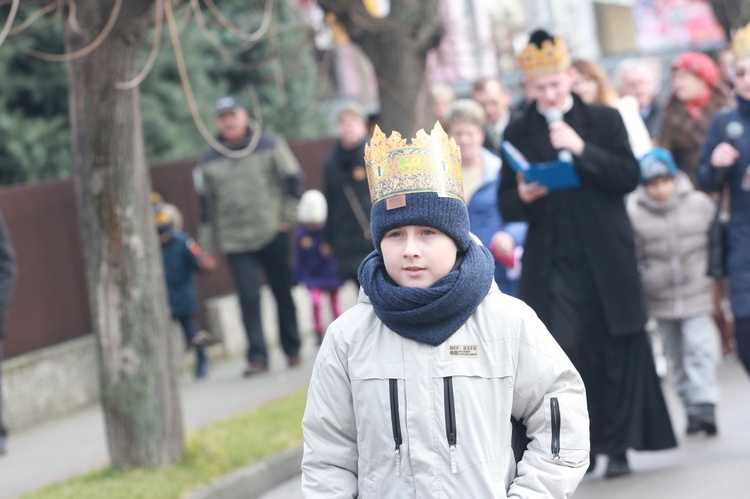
672	249
312	208
180	255
344	231
248	201
683	136
448	215
560	223
658	162
485	218
700	65
373	390
737	178
311	268
580	275
433	314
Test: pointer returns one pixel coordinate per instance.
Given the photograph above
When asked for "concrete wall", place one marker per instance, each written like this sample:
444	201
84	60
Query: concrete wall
54	381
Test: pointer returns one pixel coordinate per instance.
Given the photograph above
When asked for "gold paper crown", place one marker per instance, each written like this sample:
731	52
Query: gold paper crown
432	163
741	41
551	58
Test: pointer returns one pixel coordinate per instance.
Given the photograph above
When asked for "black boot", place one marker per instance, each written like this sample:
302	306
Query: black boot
702	418
617	466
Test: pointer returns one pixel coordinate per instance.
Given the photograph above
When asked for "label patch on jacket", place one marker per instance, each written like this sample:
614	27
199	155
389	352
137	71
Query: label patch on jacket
462	350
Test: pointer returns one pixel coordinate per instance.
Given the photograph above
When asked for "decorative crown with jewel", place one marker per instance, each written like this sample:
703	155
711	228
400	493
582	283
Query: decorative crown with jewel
431	163
551	57
741	41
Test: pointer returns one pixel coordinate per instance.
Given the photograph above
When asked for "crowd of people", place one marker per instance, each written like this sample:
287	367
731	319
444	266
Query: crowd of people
491	304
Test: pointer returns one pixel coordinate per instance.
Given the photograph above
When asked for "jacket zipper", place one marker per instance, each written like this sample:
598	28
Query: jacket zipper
554	406
450	420
395	422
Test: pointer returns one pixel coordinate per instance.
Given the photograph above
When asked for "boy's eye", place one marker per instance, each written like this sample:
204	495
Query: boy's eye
428	232
393	233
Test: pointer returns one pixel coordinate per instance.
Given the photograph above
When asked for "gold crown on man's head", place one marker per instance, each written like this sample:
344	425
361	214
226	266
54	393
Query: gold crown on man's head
431	163
741	41
550	58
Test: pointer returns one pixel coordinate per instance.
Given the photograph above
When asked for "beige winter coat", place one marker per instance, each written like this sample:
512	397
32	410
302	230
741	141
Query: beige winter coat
389	417
671	241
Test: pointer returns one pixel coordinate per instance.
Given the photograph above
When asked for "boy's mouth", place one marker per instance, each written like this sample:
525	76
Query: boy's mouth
413	270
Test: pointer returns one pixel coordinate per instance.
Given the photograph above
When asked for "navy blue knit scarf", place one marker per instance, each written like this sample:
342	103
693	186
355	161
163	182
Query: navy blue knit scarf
429	315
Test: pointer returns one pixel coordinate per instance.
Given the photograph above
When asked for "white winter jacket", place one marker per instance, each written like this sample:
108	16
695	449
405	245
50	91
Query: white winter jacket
389	417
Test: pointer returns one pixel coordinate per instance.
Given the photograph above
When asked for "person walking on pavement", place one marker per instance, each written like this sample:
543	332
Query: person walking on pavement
347	232
670	219
413	389
182	258
579	265
725	164
250	209
7	284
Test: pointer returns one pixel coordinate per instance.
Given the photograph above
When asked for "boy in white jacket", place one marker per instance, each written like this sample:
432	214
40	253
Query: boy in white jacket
414	388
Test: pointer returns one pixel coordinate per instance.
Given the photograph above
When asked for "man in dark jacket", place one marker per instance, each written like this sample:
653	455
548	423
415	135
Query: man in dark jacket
579	264
347	193
7	283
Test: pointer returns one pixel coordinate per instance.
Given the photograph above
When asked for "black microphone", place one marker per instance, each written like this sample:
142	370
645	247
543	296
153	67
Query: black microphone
554	115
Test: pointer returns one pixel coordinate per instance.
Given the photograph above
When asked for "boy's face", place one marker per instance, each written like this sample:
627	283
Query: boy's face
661	188
417	256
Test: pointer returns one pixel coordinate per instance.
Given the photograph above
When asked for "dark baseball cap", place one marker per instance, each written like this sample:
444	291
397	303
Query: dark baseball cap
226	104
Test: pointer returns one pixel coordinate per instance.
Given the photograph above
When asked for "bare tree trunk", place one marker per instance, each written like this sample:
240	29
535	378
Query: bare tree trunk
123	260
731	14
397	46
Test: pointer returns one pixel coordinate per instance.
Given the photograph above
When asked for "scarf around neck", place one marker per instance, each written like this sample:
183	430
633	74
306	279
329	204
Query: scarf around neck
696	105
429	315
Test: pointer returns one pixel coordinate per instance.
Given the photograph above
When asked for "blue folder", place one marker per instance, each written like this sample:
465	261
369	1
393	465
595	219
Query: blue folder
554	175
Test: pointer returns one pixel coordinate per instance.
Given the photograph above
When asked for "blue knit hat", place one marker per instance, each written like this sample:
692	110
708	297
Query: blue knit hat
658	162
446	214
416	184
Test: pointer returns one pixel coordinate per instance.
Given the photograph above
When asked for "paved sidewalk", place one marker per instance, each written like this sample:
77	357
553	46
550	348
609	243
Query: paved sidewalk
76	444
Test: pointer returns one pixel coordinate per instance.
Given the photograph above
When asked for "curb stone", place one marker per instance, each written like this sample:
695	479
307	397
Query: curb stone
253	481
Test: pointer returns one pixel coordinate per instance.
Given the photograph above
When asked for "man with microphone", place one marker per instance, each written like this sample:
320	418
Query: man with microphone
579	264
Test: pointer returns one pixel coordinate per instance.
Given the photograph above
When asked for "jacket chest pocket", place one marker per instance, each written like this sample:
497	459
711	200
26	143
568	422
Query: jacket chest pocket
476	400
377	390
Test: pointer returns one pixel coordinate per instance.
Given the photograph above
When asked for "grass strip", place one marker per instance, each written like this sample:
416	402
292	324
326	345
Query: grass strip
211	453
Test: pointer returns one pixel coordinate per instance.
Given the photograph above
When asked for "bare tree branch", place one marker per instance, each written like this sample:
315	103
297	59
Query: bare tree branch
85	50
187	89
138	79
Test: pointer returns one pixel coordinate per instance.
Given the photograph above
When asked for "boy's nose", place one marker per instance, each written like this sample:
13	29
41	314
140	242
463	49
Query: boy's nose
411	248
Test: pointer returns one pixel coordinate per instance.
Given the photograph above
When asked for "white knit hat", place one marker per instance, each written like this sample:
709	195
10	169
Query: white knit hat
312	208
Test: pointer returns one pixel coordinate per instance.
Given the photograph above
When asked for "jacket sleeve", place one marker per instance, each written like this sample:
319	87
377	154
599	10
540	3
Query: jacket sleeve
550	399
329	462
209	232
705	172
612	168
292	179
